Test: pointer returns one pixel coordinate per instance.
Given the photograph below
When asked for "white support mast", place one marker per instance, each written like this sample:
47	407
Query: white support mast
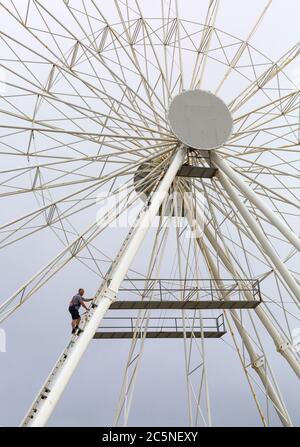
283	345
278	223
257	362
260	236
52	390
138	122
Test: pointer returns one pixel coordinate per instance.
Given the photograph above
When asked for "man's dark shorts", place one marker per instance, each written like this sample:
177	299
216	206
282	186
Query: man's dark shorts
74	312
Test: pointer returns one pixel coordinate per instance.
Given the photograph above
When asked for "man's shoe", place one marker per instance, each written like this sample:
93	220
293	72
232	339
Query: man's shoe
79	331
74	329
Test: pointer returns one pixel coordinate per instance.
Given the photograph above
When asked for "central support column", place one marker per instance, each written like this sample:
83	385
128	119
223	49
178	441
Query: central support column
67	363
145	221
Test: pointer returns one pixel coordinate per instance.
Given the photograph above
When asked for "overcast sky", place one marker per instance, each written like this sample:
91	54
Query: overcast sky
37	333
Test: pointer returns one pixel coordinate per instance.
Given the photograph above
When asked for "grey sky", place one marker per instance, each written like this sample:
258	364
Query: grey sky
38	332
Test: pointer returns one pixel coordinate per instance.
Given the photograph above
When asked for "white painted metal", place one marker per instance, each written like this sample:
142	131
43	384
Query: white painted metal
255	199
54	386
130	121
200	119
48	397
143	224
243	47
24	292
282	344
258	233
257	362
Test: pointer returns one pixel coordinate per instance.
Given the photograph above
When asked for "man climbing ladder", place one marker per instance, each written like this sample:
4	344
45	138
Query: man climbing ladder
74	306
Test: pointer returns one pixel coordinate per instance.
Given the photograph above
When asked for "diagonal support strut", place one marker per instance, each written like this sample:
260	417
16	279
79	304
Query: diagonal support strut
52	390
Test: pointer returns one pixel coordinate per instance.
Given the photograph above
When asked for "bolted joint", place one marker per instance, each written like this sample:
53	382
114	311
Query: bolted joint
282	345
110	294
258	363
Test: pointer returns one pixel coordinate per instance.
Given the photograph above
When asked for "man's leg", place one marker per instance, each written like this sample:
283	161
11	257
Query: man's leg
75	324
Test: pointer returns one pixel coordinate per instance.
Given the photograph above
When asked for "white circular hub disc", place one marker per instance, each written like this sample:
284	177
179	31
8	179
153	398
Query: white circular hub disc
200	119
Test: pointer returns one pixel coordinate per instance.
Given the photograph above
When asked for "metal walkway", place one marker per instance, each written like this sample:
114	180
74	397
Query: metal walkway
159	334
188	291
204	304
159	293
197	171
161	327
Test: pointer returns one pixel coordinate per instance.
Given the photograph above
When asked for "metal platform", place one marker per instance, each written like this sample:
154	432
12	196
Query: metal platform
204	304
198	165
164	327
197	171
187	294
156	334
177	294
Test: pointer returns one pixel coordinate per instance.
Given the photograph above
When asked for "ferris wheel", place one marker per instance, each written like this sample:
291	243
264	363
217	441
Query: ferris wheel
185	139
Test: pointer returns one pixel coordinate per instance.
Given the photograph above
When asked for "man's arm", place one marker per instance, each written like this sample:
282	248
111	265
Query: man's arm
87	299
83	304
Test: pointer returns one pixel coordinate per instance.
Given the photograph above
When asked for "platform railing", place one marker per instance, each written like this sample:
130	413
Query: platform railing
193	289
174	324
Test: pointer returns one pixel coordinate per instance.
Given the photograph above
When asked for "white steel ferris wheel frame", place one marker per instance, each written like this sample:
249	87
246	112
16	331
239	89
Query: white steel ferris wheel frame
55	384
241	196
58	379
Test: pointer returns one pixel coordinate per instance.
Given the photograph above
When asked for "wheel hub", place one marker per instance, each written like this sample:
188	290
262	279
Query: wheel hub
200	119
